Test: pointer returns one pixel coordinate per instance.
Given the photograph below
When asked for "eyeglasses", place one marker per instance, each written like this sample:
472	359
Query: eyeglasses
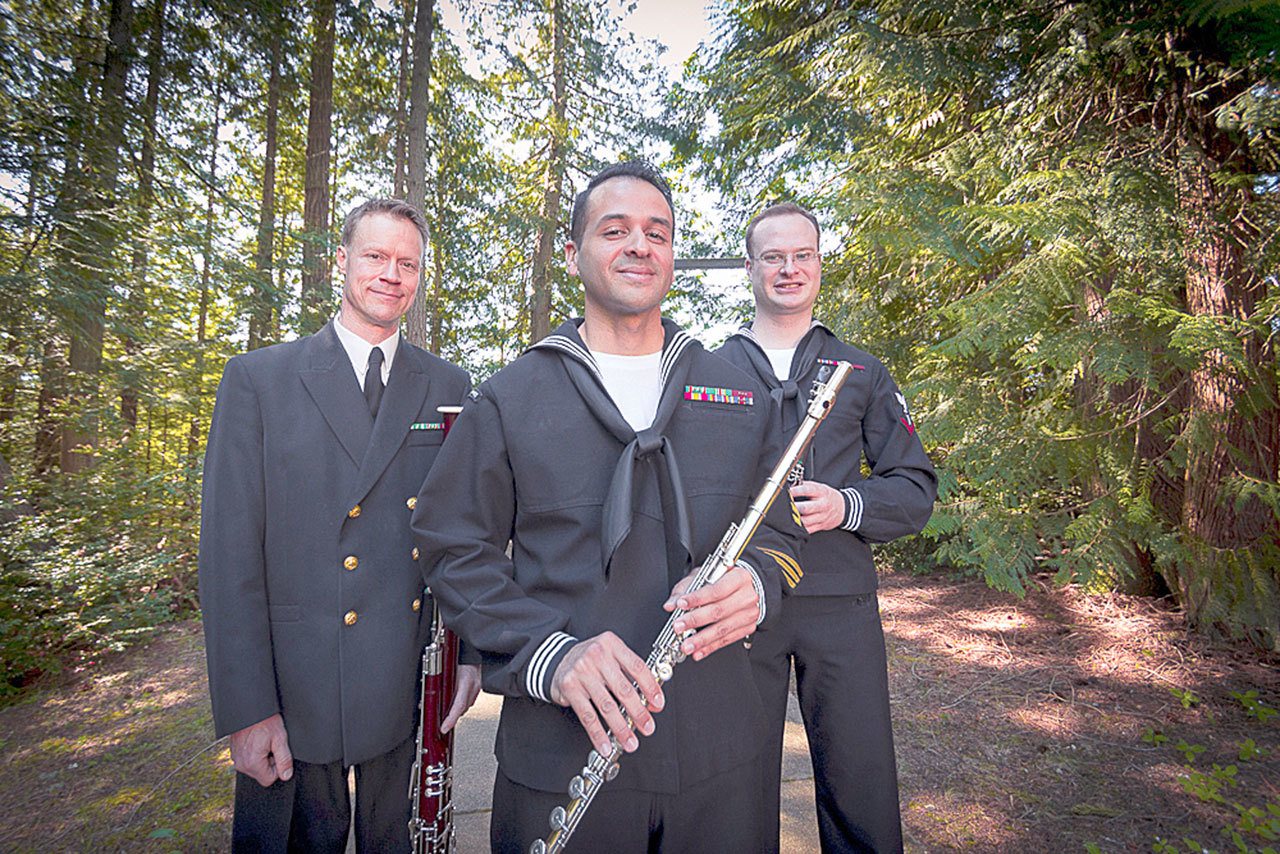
777	259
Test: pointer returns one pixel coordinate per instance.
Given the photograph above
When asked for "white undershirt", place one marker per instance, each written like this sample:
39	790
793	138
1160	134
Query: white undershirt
634	383
358	351
781	361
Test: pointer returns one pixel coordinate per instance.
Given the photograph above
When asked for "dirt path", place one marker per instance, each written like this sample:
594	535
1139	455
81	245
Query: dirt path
1046	724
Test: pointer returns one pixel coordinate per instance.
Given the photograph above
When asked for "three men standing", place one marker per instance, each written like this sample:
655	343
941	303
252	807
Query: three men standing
309	579
613	455
830	623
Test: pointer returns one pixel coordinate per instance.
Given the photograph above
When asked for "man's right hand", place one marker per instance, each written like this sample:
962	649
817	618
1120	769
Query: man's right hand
595	679
261	751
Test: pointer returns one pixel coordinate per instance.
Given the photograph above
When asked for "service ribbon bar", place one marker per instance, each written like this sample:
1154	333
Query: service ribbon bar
835	362
711	394
427	425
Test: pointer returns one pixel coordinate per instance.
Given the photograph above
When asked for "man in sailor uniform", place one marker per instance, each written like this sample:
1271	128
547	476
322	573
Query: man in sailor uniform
613	456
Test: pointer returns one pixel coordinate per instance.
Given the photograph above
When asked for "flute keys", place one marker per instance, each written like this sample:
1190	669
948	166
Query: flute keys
559	819
538	847
664	671
611	772
577	787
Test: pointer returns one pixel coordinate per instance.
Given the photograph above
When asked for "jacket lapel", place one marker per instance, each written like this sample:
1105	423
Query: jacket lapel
406	389
333	386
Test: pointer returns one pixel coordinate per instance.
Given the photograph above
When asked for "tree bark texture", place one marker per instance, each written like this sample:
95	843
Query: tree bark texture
399	183
96	240
1230	585
316	297
137	309
419	105
262	312
206	272
553	182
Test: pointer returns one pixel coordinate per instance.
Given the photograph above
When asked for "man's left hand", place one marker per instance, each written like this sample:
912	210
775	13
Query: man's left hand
464	697
721	613
821	507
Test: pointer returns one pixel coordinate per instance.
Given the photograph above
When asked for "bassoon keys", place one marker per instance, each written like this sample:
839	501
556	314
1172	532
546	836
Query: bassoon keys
431	829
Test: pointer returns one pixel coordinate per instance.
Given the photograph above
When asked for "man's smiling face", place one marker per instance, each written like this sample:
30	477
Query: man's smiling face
784	267
625	257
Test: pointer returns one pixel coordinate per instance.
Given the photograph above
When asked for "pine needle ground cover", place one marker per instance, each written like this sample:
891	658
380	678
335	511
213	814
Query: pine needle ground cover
1057	722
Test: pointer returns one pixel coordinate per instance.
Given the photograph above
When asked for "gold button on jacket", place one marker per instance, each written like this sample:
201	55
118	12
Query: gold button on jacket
350	618
351	562
417	604
411	502
414	554
353	512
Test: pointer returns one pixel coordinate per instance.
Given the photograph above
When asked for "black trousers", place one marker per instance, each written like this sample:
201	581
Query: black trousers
716	814
311	812
842	683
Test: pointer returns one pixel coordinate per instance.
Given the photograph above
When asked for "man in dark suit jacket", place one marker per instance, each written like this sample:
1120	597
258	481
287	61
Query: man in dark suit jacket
309	580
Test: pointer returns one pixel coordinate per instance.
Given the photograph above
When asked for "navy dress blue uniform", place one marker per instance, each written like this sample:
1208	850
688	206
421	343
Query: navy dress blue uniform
310	583
830	621
602	522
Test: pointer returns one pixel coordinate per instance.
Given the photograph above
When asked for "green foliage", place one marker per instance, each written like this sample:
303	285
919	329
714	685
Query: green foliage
1009	224
112	561
1254	707
1255	825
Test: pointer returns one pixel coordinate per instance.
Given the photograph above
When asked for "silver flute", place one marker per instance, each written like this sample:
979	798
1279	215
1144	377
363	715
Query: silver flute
666	653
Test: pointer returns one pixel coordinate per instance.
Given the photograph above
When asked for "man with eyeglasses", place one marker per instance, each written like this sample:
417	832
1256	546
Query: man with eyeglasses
830	620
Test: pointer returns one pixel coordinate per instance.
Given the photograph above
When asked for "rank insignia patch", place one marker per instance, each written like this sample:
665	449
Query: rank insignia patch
905	418
791	571
427	425
711	394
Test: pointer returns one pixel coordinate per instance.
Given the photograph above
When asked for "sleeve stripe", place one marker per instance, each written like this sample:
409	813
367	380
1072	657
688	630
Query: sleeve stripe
854	518
791	570
535	673
759	588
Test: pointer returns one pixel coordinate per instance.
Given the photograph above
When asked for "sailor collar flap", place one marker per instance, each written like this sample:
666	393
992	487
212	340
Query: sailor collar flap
584	373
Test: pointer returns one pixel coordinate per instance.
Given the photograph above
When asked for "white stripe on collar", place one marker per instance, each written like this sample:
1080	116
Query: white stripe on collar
671	352
746	332
567	345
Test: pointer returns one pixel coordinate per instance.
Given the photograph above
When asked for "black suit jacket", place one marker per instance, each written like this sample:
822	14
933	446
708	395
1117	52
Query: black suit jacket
311	593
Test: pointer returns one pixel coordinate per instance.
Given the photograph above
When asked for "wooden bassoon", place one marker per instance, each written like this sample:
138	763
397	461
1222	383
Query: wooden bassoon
431	828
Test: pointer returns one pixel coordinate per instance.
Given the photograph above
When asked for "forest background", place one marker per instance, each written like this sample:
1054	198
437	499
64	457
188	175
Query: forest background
1055	221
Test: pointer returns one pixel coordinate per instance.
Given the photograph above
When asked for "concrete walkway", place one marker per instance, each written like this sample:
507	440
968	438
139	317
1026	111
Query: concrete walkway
474	767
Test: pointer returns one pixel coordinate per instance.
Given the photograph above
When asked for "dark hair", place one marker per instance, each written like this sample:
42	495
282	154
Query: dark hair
390	207
780	209
641	170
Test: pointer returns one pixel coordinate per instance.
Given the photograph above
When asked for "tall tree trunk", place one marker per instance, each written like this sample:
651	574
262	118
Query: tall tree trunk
316	294
206	267
400	183
263	306
96	243
48	439
419	106
437	252
1231	584
137	308
553	182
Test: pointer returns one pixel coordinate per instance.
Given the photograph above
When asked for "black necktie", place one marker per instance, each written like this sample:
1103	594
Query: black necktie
373	381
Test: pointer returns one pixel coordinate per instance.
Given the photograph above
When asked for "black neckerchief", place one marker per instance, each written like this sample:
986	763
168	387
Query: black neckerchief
585	374
784	391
